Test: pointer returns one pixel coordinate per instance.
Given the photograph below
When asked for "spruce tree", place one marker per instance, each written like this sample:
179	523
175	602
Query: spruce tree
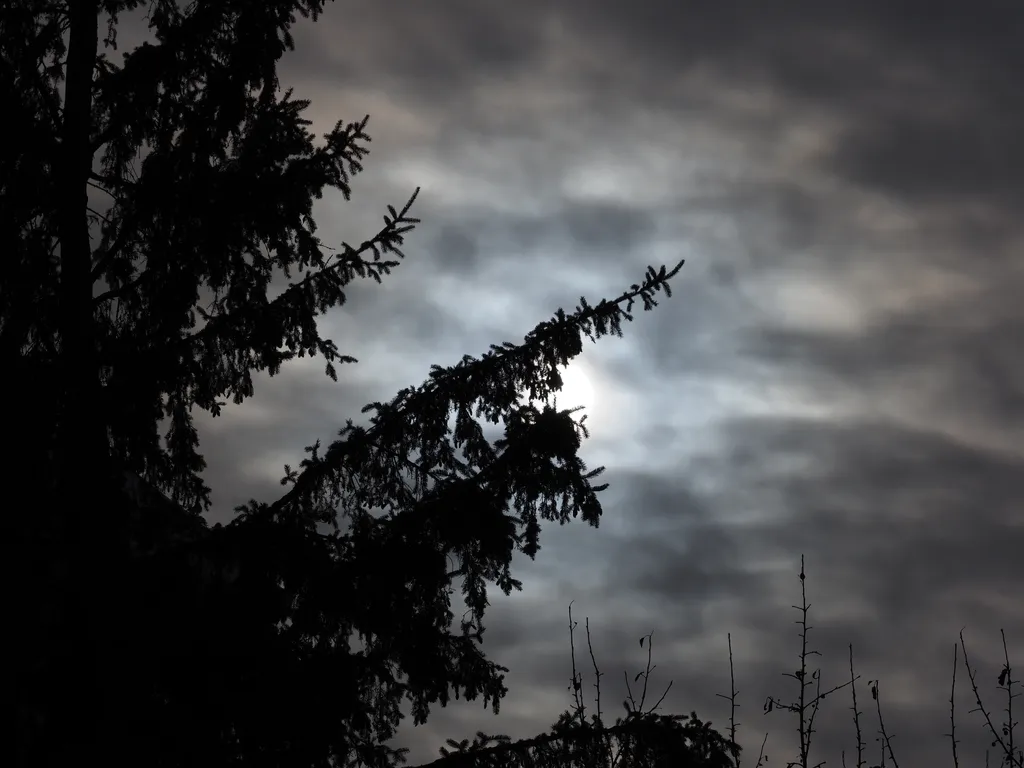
291	635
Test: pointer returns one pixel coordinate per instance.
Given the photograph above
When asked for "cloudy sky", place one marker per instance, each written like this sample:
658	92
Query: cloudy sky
838	373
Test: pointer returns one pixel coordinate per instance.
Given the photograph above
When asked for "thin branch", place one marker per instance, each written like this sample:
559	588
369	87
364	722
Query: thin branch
856	714
733	706
96	213
113	293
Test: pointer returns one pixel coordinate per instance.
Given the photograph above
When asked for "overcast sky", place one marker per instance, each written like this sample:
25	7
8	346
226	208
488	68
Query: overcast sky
838	373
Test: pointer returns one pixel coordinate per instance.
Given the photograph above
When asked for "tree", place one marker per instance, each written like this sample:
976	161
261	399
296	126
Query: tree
148	637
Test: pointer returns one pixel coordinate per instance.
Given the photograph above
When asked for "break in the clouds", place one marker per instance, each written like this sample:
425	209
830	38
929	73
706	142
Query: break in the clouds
839	372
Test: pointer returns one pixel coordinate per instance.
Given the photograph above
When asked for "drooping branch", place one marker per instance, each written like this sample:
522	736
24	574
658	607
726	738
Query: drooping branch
556	342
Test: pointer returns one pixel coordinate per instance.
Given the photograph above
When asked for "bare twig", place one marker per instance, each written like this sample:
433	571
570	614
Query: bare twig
952	706
1014	755
597	673
856	713
576	686
805	723
760	755
1009	757
646	675
886	738
733	706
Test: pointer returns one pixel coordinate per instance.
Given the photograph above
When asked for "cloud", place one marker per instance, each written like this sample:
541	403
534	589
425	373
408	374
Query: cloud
836	374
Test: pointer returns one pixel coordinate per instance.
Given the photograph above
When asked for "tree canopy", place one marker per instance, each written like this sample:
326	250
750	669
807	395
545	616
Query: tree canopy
149	637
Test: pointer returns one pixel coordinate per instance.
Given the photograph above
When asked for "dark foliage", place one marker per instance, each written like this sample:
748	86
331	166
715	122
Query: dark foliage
144	637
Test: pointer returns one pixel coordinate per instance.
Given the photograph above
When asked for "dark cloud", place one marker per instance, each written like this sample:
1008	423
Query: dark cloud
674	548
456	249
972	154
607	227
962	354
885	490
926	92
602	232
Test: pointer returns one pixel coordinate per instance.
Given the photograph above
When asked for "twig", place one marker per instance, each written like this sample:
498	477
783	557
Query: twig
805	724
577	677
952	707
733	706
856	713
886	738
1009	757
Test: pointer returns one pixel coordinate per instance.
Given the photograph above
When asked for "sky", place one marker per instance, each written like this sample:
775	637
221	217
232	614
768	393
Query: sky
837	374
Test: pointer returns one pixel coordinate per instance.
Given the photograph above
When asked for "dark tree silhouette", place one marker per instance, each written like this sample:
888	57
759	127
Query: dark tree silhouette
291	635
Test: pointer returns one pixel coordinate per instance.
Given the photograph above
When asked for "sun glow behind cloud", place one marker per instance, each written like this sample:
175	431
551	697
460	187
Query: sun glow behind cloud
577	388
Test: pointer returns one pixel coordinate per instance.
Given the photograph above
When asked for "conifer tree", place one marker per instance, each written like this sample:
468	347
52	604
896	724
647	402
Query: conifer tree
292	635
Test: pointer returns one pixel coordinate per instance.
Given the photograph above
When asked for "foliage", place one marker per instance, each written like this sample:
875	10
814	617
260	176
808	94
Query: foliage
641	739
272	640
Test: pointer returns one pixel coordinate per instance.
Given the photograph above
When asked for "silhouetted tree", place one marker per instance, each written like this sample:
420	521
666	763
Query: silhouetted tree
143	636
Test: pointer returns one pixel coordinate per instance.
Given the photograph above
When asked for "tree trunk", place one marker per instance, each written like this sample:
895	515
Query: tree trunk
82	663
